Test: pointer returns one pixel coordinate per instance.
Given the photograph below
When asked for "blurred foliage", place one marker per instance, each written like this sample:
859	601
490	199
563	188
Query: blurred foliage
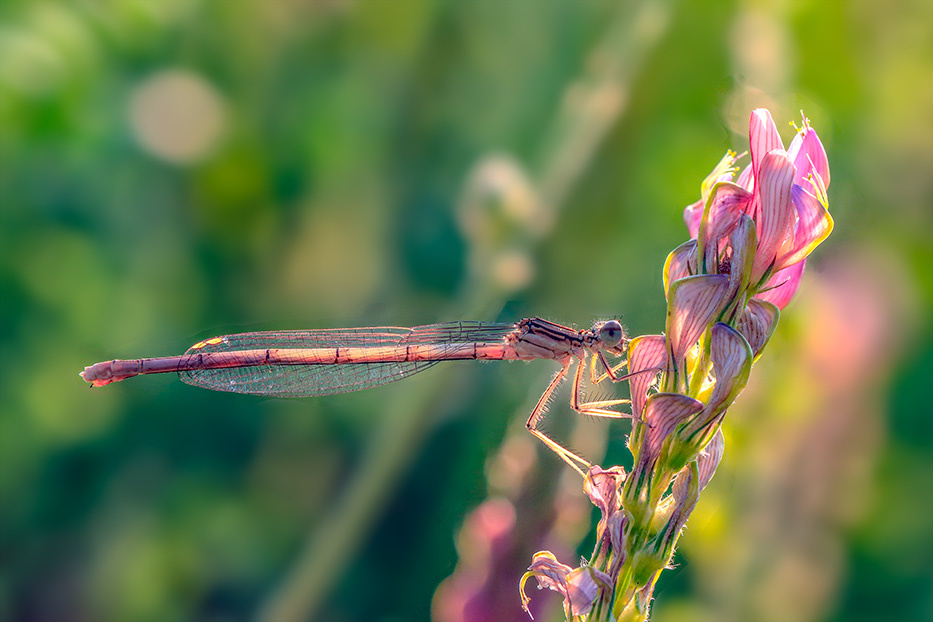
176	169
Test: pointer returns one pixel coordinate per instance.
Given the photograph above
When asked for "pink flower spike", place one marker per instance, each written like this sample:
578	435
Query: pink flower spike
783	284
757	323
776	224
694	303
645	352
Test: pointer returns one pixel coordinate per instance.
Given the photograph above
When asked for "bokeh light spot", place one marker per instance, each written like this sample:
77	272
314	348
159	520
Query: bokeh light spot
177	116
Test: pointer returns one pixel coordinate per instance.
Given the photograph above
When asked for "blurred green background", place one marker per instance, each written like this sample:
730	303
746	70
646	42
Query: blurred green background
178	169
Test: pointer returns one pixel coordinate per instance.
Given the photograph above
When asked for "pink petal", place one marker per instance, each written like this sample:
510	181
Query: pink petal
664	412
694	303
775	226
728	204
686	493
709	458
723	171
692	215
746	178
681	262
814	224
644	353
681	485
808	155
763	137
783	284
732	362
813	147
757	323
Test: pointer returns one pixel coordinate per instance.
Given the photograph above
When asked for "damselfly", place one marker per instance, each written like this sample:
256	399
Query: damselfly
303	363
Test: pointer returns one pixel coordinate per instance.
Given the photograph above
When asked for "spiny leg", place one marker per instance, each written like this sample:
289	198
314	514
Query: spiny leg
611	370
537	415
597	409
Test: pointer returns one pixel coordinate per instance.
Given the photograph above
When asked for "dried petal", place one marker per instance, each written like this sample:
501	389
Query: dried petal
602	487
579	586
549	572
584	585
686	493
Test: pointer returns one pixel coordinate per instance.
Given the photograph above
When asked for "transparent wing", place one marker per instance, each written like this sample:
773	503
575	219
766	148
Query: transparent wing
326	379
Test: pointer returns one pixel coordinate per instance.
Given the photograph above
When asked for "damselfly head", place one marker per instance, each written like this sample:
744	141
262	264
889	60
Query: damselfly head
610	334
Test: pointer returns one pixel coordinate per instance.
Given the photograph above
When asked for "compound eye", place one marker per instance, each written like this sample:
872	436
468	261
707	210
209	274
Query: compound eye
610	334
